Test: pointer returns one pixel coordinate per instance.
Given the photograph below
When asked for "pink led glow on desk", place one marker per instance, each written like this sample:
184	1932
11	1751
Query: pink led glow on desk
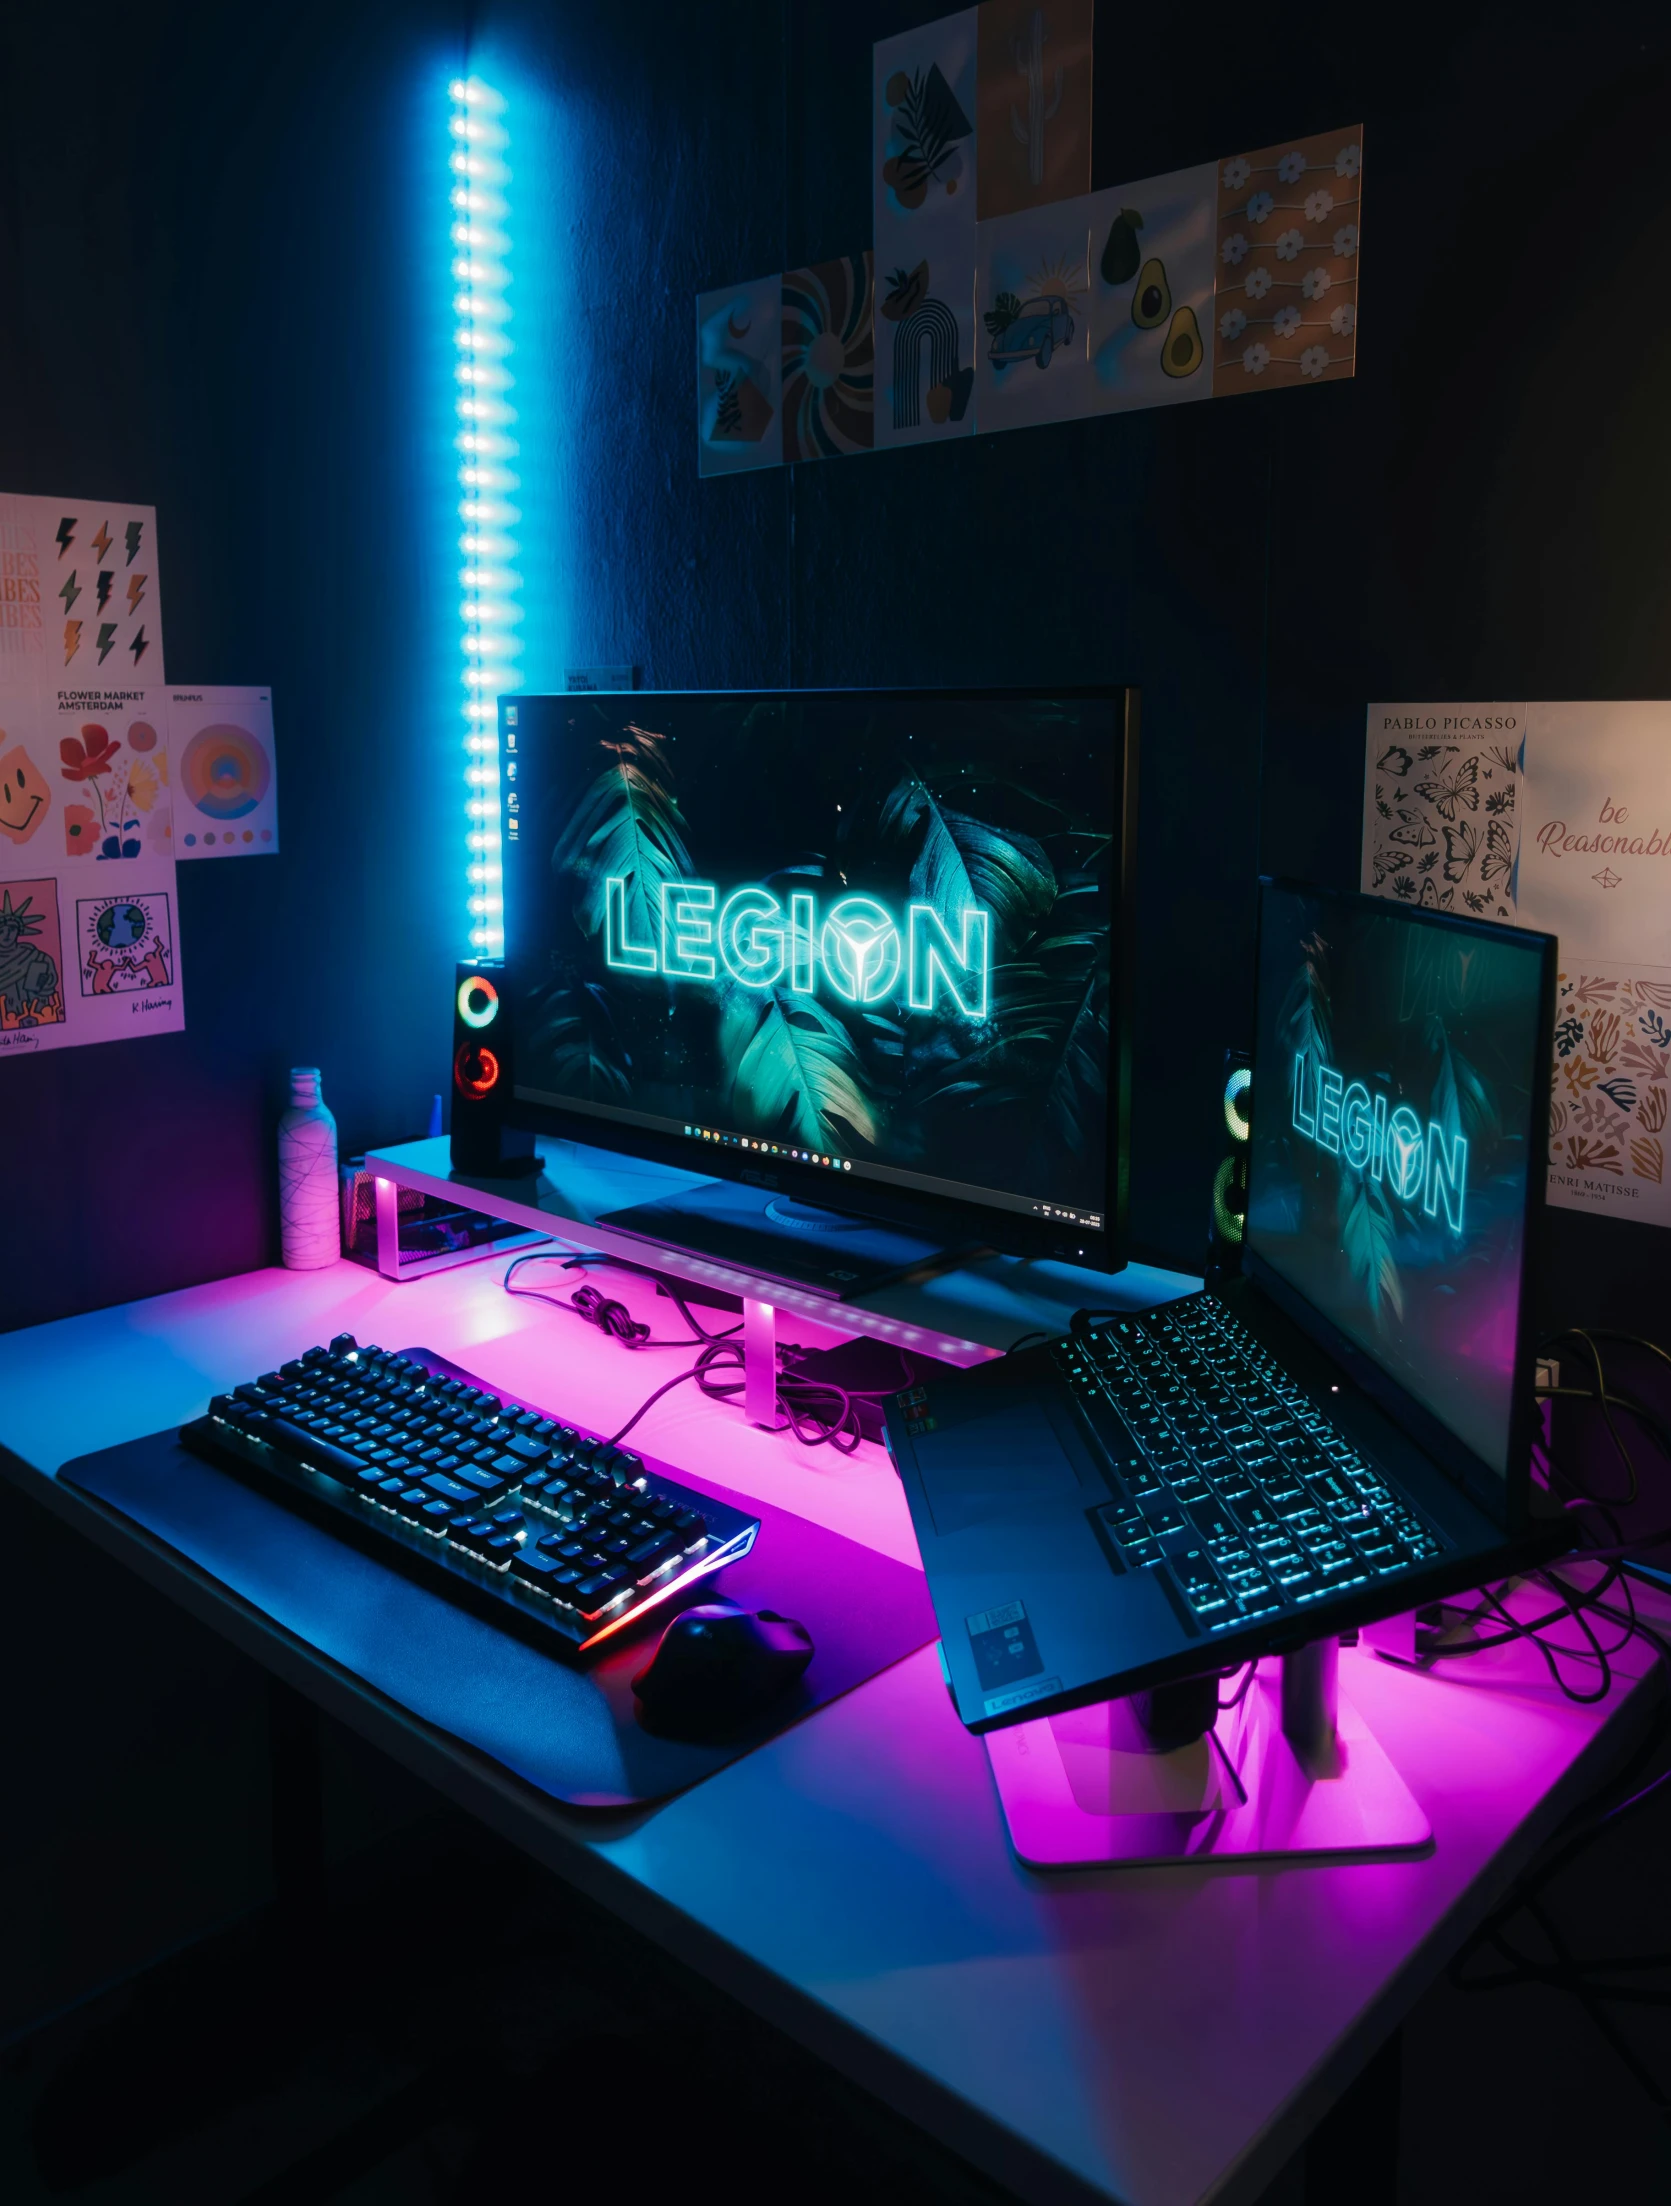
1148	2036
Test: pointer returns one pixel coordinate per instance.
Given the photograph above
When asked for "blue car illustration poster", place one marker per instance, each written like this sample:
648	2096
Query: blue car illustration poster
923	204
1034	289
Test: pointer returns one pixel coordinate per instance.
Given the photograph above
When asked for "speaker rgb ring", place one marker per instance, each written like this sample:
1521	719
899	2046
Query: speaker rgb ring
1238	1102
475	1072
478	1000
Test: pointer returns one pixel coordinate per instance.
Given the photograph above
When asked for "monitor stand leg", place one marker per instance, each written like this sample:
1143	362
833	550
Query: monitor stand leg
760	1363
1292	1771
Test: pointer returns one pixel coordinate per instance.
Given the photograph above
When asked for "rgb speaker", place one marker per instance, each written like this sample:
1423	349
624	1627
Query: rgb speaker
1229	1218
482	1074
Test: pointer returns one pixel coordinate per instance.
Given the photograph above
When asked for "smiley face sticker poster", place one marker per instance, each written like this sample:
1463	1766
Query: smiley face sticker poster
88	901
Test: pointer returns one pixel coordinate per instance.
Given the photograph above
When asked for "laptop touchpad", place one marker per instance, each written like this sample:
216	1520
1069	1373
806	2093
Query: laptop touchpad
993	1465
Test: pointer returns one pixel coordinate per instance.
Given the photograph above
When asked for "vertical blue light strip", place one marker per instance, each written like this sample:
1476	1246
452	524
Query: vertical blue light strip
489	580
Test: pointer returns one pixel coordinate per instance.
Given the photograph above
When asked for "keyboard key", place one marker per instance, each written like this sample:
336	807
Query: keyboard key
448	1488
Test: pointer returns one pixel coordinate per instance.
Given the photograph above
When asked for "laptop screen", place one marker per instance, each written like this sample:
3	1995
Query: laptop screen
1399	1085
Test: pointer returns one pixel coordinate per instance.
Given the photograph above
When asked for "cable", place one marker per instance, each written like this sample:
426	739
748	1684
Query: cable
609	1316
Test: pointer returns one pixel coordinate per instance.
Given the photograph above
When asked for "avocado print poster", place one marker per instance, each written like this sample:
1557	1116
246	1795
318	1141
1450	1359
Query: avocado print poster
923	210
1288	253
1151	302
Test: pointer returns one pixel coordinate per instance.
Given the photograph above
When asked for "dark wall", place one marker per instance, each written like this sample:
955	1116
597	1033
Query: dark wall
223	267
1474	516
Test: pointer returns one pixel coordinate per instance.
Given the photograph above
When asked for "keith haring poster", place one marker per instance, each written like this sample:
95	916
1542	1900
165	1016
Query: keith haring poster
923	204
1151	290
739	377
80	595
1033	103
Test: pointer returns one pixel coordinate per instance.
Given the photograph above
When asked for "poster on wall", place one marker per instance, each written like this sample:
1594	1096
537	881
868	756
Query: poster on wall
923	207
1151	277
1033	103
1288	238
1501	811
1034	275
225	773
739	422
829	359
89	949
80	598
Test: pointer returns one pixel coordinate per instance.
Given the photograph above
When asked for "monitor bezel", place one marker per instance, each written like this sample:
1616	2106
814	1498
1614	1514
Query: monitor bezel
1504	1496
948	1221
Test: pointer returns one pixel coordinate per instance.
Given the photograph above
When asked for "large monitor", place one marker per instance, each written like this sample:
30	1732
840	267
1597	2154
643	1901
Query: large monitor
868	950
1400	1084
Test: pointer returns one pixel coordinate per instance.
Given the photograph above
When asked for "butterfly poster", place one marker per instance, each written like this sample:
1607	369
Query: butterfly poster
1441	821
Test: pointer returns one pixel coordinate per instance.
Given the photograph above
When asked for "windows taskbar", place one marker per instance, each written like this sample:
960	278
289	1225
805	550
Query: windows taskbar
1089	1221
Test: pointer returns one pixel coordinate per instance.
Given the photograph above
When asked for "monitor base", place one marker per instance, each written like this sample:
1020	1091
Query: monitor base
1293	1772
778	1238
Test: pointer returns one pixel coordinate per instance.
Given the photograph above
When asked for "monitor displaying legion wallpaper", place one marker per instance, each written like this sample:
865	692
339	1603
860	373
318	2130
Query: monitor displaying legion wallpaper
1398	1073
866	932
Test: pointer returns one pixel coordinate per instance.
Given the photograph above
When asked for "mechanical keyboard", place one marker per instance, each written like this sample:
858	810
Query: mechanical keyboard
1228	1477
505	1509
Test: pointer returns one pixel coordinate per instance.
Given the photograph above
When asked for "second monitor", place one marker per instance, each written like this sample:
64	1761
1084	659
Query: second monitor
860	956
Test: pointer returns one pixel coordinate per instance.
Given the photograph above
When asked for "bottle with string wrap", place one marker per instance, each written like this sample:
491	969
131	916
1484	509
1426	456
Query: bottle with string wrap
309	1228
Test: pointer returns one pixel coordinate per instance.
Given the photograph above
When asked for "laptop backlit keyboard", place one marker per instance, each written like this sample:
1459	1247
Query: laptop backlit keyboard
1229	1479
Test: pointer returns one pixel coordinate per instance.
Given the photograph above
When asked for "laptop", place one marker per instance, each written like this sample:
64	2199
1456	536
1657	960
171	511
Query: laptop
1341	1433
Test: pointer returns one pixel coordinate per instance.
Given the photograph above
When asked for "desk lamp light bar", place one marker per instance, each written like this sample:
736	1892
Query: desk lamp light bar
489	581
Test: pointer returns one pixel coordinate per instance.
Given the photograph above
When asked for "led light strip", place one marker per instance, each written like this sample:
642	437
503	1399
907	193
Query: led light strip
489	582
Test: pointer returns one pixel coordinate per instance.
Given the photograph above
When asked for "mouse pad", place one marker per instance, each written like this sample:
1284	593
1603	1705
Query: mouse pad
573	1733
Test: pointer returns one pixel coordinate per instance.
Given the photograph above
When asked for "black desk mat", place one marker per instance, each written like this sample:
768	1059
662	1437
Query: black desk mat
574	1733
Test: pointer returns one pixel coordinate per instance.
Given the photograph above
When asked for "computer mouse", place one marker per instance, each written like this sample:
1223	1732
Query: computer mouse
718	1665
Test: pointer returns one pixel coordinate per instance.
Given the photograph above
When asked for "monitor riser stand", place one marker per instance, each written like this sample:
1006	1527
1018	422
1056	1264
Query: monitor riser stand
1293	1772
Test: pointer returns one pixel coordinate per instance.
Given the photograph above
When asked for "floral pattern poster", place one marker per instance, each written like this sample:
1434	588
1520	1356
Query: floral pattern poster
1286	307
1612	1090
86	820
923	211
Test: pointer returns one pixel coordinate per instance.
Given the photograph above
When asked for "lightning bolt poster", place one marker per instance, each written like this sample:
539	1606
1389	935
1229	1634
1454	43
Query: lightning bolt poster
80	597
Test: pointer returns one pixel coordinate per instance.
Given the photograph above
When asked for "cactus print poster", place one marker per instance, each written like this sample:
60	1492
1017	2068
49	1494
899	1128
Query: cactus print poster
1612	1091
1288	239
829	359
1033	104
923	207
739	362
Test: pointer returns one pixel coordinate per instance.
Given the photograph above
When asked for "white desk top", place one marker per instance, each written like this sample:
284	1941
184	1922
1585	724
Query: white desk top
1155	2036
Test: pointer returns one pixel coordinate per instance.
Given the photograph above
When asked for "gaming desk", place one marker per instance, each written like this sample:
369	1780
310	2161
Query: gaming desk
1152	2036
